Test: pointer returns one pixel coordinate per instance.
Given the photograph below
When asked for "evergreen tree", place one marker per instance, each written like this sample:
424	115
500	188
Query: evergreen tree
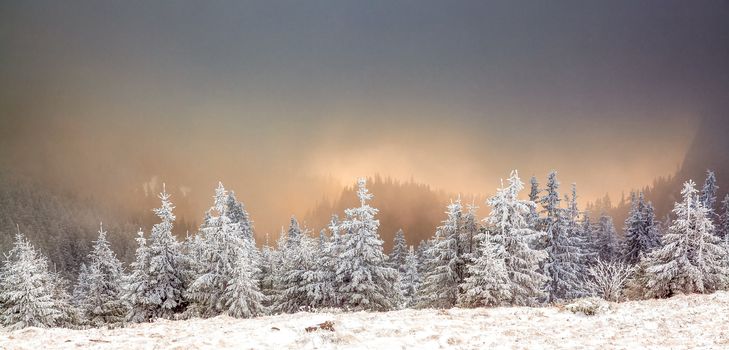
399	252
319	280
709	191
410	279
446	268
563	266
534	197
641	234
691	259
608	246
243	298
223	250
723	229
297	260
137	288
103	304
511	230
488	281
28	295
166	280
81	289
364	281
469	232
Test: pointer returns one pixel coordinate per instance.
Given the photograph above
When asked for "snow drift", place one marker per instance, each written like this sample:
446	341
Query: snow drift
685	321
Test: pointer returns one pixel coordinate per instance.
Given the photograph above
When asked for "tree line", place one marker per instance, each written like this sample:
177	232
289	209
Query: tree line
529	251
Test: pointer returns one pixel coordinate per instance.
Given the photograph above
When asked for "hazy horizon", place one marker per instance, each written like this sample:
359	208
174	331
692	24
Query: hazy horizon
288	102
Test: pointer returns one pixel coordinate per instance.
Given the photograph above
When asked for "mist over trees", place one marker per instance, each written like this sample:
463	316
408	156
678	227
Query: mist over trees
523	253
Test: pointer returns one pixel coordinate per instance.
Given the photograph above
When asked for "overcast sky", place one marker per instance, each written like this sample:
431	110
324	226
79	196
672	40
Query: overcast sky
285	101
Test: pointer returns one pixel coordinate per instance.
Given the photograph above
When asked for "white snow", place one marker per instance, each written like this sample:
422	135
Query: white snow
693	321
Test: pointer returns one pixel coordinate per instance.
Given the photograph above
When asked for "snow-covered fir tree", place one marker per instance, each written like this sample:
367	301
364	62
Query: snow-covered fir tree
445	269
28	291
641	234
709	191
691	259
137	288
488	280
399	251
606	238
364	281
563	266
534	193
508	222
223	250
243	298
268	259
103	303
410	279
296	261
81	288
469	232
165	277
319	279
723	229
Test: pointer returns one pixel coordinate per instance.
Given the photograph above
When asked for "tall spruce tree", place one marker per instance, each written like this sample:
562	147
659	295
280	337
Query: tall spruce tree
445	272
166	275
222	251
691	259
399	251
103	303
723	229
508	222
137	288
410	281
608	246
709	191
641	234
364	280
563	265
488	280
28	291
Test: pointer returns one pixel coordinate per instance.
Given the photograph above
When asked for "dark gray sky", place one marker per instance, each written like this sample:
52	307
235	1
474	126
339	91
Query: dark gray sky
287	100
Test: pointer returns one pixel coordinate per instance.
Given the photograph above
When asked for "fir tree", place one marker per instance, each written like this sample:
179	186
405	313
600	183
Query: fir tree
399	252
296	261
166	280
223	250
488	281
410	280
511	230
691	259
709	191
608	246
563	266
446	268
137	288
723	229
28	290
364	281
103	304
243	298
641	235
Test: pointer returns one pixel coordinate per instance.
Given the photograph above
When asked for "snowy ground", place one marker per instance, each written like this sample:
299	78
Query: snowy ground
696	321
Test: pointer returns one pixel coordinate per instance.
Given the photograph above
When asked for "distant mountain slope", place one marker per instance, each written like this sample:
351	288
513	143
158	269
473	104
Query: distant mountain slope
709	150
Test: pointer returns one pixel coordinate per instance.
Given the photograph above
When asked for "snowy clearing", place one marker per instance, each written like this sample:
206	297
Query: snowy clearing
695	321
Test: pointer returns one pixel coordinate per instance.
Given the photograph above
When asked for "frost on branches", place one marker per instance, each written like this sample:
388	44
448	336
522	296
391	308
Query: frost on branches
224	262
488	280
364	280
102	303
691	259
29	294
445	267
508	221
